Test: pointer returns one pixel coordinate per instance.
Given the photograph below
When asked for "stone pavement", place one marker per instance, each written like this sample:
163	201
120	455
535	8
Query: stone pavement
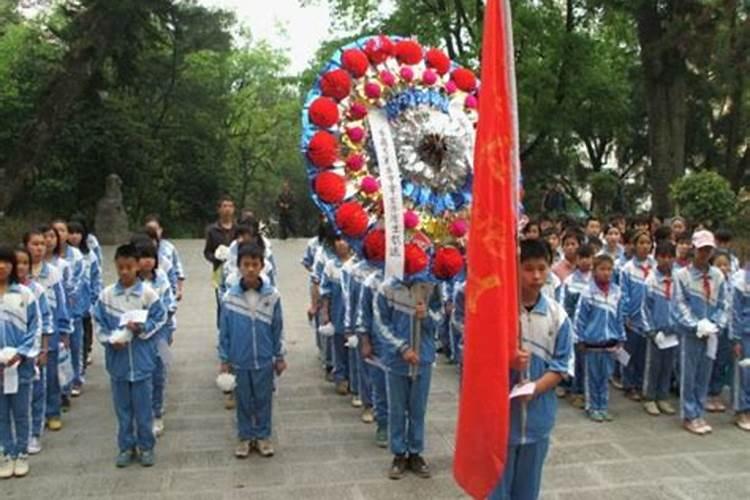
323	451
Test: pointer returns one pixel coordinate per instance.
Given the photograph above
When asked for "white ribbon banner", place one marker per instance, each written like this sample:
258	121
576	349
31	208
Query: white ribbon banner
390	181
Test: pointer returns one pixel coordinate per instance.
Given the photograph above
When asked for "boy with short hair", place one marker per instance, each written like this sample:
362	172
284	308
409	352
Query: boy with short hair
544	357
572	289
599	332
593	228
699	312
251	345
406	314
552	237
130	354
683	246
658	327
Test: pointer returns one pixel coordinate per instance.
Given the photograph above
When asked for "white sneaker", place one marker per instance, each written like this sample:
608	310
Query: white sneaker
21	466
35	446
357	402
265	448
6	467
158	427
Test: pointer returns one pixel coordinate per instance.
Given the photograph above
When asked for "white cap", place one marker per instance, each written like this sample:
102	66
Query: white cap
704	239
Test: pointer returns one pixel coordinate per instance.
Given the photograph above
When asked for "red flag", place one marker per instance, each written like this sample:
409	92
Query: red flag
492	283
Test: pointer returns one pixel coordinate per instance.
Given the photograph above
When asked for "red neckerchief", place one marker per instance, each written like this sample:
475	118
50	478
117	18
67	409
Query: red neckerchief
604	287
646	268
668	286
683	262
707	286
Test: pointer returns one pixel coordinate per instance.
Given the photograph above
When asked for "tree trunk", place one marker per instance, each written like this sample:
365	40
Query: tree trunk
666	91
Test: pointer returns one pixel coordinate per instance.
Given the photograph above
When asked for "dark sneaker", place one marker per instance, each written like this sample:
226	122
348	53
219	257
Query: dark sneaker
419	467
65	404
381	436
398	467
147	458
125	458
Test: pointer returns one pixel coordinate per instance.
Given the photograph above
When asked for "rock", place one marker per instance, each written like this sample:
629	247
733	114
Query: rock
111	222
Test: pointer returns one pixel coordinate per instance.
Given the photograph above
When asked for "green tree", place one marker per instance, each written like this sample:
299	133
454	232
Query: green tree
706	197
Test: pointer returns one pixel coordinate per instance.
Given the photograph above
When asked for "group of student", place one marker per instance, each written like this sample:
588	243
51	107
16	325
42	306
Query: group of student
646	306
53	306
656	308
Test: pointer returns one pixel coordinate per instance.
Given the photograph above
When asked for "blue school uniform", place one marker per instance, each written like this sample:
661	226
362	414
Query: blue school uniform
21	329
599	326
570	293
168	252
331	289
739	333
458	318
308	257
408	386
51	279
633	284
547	334
697	295
552	287
163	338
325	344
131	368
658	318
88	290
353	279
365	326
721	371
251	340
93	243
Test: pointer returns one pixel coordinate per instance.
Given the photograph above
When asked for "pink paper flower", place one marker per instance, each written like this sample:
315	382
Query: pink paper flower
429	77
451	87
472	102
407	74
369	185
356	134
388	78
459	228
373	90
411	219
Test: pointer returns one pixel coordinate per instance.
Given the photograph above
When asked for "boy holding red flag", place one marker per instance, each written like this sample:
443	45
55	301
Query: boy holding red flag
544	358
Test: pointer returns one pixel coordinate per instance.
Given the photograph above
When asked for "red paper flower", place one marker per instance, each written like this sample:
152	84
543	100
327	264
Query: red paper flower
358	111
373	90
369	185
374	245
448	262
378	49
411	219
408	52
336	84
438	60
415	259
388	79
355	61
465	79
352	219
324	112
459	228
322	149
330	187
355	162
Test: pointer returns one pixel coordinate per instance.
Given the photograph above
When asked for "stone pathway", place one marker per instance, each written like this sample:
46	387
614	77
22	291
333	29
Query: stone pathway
323	451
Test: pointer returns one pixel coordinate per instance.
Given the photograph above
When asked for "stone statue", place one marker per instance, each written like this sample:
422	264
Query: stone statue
111	222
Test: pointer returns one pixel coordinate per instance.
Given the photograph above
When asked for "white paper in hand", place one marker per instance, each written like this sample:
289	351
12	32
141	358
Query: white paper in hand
712	346
526	389
137	316
221	253
121	336
6	354
352	342
226	382
744	363
10	379
327	330
622	356
666	341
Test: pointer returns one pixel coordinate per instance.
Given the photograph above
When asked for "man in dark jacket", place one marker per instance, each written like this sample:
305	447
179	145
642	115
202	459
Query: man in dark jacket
220	233
285	203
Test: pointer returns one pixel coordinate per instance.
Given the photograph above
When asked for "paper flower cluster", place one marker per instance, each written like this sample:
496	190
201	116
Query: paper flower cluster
431	105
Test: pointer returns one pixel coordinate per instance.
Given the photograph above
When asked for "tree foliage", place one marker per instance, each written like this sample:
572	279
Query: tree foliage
167	101
706	197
